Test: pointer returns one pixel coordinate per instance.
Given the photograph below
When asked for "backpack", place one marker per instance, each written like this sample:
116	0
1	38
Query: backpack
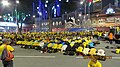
6	55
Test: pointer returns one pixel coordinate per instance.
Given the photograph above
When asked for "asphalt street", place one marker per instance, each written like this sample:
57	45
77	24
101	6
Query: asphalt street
33	58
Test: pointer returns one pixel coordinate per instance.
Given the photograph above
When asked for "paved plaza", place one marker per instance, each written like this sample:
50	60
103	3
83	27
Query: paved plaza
33	58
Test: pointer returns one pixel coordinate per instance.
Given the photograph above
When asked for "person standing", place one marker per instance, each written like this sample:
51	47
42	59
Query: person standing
111	36
10	49
94	62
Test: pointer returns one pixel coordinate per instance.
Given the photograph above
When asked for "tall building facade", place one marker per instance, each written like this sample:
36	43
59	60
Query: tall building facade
107	2
99	5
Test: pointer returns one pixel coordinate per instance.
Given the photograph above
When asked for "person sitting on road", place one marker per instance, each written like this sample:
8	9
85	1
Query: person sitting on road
63	48
117	51
79	50
101	52
91	45
86	51
92	51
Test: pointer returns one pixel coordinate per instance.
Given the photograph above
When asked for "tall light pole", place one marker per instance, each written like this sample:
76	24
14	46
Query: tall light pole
50	15
84	2
16	10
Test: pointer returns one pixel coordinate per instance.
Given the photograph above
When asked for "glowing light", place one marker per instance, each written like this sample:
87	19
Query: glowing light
46	1
24	18
81	2
55	12
26	15
29	14
53	7
45	11
0	16
67	0
8	28
40	13
60	0
80	15
37	7
110	11
34	16
8	14
45	5
17	2
58	5
5	3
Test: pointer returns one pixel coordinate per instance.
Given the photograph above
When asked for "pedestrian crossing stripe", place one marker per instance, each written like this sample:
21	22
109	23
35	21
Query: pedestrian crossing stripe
34	56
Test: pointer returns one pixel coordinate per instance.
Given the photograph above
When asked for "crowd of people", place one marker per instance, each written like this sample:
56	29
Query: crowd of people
69	43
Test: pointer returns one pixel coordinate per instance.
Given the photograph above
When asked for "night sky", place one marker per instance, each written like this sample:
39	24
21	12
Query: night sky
26	5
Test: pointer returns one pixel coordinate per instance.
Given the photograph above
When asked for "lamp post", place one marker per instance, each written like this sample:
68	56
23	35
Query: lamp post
49	16
85	11
80	18
16	10
5	3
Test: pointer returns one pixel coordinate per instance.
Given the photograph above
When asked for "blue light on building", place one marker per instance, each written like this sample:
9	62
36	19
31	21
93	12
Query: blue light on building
56	8
55	13
42	7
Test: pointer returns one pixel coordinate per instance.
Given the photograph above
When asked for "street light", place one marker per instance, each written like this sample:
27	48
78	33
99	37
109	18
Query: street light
81	2
17	1
16	10
46	1
5	3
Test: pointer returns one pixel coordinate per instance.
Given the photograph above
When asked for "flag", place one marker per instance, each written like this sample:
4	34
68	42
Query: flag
89	2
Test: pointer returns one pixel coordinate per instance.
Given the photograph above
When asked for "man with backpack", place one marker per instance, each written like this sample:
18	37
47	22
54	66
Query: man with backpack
6	53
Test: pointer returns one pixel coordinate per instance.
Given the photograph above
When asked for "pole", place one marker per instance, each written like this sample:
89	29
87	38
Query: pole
17	18
85	8
85	11
33	8
49	16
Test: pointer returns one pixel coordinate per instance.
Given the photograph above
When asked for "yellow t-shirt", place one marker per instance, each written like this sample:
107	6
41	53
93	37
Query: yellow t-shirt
80	49
92	51
55	46
92	64
9	48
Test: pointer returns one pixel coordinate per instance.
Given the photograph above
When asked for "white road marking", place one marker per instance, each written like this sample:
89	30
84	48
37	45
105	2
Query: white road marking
118	58
80	57
35	56
115	57
99	47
